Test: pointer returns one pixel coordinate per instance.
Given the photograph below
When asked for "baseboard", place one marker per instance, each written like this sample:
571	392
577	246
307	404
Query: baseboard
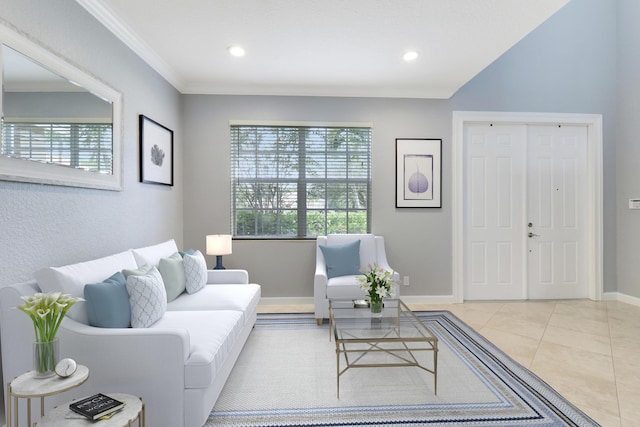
617	296
428	299
286	301
408	299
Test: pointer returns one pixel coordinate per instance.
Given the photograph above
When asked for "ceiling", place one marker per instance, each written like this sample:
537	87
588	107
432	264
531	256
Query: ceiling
321	47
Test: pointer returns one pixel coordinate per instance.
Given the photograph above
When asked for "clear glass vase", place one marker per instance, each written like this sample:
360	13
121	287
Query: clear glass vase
376	306
45	357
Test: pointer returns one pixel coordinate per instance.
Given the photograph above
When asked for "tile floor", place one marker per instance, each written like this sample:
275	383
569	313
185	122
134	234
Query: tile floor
588	351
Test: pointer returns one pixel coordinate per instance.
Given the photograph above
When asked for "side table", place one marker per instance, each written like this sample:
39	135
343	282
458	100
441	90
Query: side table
27	386
133	410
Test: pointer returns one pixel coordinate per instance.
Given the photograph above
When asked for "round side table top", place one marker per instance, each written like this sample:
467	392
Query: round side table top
27	385
62	416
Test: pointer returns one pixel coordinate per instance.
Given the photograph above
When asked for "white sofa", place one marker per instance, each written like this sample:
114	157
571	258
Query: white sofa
178	365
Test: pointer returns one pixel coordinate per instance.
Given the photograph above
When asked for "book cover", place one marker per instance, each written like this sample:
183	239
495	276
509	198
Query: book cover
96	406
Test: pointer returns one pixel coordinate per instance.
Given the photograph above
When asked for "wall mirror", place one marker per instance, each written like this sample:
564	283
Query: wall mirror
60	125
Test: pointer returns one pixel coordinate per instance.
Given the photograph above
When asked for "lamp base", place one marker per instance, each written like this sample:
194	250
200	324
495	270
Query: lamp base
219	265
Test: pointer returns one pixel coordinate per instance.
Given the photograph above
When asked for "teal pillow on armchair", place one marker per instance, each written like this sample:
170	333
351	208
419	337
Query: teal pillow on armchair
342	260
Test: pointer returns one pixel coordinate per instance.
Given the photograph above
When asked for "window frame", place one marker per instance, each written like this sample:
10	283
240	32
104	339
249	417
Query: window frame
302	208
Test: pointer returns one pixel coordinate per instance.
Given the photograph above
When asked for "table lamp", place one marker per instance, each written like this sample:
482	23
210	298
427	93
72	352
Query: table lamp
218	245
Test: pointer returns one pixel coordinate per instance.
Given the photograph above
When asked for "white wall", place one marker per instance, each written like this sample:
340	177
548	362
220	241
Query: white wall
48	225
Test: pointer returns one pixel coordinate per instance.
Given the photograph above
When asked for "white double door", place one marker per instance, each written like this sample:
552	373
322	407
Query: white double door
525	198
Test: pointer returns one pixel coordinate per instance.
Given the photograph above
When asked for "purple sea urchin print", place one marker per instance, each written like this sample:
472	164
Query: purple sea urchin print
157	155
418	183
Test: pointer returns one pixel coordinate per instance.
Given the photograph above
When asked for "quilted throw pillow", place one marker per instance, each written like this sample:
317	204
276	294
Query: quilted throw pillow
195	270
147	298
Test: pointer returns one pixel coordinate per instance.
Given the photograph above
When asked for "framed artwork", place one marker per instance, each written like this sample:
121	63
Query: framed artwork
418	173
156	152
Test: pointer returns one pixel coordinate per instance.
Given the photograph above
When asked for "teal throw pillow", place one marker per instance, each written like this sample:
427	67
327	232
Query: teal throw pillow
140	271
107	303
342	260
172	272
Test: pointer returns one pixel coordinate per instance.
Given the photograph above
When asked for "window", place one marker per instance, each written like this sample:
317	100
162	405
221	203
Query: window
300	181
78	145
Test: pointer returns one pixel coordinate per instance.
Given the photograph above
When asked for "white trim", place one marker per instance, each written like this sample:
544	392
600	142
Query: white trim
428	299
300	124
287	301
594	177
22	170
617	296
408	299
105	15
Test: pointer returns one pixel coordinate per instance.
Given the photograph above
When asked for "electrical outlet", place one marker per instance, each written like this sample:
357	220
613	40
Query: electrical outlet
405	280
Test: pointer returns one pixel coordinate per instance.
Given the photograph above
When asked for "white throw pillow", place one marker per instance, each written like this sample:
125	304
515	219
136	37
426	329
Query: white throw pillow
152	254
70	279
147	298
195	270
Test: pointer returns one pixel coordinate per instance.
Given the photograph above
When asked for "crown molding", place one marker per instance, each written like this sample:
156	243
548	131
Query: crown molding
109	19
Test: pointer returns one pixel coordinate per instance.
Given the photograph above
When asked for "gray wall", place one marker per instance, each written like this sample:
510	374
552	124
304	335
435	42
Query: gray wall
47	225
418	240
628	147
568	64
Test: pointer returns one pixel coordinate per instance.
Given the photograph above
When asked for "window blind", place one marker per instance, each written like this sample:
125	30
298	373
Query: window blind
300	181
78	145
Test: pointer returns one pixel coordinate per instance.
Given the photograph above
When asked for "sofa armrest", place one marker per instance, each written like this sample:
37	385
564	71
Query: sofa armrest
227	277
144	362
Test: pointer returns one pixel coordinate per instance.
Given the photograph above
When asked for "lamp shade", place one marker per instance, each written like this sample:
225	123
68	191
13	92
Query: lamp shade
218	244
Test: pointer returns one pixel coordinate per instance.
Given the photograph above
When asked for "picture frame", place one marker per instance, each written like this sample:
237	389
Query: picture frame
418	172
156	152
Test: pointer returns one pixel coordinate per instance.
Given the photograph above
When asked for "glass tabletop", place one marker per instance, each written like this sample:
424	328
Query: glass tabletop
353	321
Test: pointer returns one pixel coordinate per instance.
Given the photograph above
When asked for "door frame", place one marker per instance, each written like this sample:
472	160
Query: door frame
594	187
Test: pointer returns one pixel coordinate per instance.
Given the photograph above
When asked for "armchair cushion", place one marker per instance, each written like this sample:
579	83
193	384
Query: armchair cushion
342	260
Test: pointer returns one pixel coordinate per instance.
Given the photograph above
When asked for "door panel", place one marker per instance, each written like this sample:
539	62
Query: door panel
557	202
525	212
494	190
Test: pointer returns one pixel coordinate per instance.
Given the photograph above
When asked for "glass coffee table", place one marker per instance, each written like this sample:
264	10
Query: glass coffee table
380	340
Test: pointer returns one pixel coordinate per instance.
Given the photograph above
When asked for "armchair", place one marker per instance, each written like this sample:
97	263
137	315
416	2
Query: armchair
345	286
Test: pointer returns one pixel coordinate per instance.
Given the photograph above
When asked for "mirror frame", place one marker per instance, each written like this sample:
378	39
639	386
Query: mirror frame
24	170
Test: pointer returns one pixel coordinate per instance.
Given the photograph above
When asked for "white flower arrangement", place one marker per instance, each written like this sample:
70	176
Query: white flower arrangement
378	283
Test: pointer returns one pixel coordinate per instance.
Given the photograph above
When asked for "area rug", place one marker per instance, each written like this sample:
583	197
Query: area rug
286	376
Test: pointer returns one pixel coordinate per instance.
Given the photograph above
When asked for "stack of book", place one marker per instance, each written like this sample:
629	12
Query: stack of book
97	406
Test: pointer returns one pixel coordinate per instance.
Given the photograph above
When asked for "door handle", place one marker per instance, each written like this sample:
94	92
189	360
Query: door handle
532	235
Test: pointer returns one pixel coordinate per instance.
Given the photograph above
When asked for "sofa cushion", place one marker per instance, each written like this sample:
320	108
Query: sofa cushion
108	303
147	298
138	271
212	335
345	287
152	254
195	270
342	260
367	246
173	275
244	298
71	279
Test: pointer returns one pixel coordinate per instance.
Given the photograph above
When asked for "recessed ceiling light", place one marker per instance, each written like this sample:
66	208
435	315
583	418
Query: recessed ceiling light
236	50
410	55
